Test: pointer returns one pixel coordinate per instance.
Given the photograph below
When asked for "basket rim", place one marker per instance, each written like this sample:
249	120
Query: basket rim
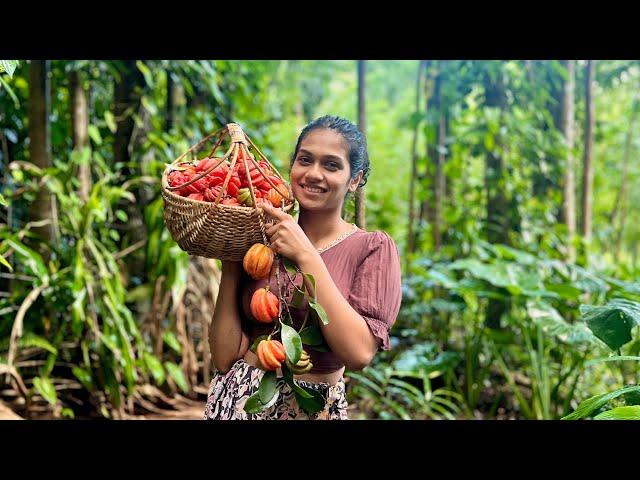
166	191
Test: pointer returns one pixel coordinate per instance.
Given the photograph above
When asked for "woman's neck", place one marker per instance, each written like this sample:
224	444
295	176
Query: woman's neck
321	227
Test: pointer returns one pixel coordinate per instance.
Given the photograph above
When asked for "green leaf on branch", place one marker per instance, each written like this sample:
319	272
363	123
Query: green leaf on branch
267	388
292	342
110	121
590	405
253	404
297	299
320	311
311	335
45	387
3	202
312	280
612	323
291	267
8	66
311	405
631	412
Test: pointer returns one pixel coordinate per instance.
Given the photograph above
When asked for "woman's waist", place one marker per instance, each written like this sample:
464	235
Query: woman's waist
330	378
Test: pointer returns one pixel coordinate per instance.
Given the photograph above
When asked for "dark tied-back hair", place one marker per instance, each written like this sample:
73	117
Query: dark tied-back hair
356	141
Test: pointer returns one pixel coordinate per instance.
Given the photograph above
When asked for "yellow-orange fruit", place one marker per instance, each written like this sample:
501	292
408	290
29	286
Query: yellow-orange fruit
265	306
258	260
275	198
271	354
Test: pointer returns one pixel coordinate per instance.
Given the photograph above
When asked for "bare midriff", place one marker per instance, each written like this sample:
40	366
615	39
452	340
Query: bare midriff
331	378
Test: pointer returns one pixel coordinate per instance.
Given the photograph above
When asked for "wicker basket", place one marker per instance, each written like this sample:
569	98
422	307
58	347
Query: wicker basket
211	229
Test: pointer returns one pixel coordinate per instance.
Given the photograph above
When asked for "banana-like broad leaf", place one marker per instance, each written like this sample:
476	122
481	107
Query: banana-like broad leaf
612	323
177	374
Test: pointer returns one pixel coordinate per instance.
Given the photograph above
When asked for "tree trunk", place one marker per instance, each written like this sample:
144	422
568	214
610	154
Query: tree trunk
80	127
497	223
439	179
625	161
168	125
362	125
587	177
43	209
567	128
411	246
127	94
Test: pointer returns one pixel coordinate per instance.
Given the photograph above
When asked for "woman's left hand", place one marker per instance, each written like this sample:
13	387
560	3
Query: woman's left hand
286	236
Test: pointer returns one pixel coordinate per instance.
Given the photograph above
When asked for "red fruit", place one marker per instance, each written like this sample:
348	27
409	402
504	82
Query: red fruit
271	354
211	193
205	164
265	306
196	196
231	201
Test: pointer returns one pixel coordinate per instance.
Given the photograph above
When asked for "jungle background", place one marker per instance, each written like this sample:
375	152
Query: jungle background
509	187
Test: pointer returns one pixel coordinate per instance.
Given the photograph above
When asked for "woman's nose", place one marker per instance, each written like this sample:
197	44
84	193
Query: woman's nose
314	172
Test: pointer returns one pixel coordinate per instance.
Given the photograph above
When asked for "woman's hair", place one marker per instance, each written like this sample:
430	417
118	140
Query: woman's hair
356	141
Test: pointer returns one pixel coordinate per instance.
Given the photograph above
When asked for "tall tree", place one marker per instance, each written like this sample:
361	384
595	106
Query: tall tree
362	125
497	222
587	163
43	209
438	159
411	240
567	128
80	129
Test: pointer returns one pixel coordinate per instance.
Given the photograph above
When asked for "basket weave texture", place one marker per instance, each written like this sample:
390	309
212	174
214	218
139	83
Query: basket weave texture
211	229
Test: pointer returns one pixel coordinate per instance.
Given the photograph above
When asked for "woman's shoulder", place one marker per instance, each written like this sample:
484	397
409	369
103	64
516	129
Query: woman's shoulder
375	240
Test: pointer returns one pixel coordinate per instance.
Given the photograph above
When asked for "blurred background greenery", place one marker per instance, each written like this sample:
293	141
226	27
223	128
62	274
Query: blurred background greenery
508	187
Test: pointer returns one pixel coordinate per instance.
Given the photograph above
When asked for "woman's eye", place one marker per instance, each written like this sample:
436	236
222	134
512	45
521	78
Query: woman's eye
303	160
332	165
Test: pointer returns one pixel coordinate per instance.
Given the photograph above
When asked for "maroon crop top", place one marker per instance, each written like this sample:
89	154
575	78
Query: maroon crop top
366	269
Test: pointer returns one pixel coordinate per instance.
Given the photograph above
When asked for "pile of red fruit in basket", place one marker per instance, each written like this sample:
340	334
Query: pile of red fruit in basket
207	188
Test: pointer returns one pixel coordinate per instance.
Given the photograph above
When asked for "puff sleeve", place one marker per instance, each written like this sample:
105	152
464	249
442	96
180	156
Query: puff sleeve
376	291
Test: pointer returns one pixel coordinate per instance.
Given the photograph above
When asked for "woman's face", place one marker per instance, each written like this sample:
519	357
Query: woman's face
321	174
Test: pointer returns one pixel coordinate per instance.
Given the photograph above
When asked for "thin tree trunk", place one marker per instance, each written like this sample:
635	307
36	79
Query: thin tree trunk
169	112
80	127
414	169
587	178
497	223
43	208
439	180
567	128
625	161
362	125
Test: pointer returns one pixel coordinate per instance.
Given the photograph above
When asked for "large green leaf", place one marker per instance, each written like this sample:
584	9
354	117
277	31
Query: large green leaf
30	339
312	404
45	387
320	311
3	202
631	412
312	335
590	405
267	388
423	358
8	66
612	323
554	325
292	342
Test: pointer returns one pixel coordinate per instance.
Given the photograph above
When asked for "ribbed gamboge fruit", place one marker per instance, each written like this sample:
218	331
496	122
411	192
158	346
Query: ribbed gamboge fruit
257	261
271	354
265	306
304	365
275	198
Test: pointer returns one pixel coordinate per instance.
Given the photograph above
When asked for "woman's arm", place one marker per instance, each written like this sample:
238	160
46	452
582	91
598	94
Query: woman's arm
226	340
347	333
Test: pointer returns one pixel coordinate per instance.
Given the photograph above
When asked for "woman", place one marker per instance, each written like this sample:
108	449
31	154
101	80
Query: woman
357	276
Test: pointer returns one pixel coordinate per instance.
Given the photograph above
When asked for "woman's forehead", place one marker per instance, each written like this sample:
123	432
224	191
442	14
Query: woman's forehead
324	142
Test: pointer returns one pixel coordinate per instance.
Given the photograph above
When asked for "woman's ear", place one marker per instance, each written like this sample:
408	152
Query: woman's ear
353	184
